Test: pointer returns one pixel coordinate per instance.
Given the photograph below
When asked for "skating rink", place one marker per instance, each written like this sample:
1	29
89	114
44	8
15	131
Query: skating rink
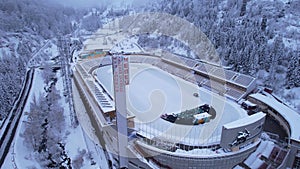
153	92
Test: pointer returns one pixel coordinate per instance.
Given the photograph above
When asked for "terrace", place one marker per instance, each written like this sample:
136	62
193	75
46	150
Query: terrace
243	80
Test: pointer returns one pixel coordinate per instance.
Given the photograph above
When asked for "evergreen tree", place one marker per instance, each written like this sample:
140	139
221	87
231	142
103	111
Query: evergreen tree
293	78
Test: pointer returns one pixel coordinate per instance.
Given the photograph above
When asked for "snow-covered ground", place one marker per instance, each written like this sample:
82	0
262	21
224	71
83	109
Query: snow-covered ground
264	149
47	51
104	38
292	98
128	46
8	45
19	154
153	92
22	157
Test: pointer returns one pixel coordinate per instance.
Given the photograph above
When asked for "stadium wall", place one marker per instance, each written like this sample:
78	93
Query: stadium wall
179	161
253	124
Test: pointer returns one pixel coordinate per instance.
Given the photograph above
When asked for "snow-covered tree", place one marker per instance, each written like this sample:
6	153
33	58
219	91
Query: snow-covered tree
48	74
11	72
293	72
91	23
45	130
36	116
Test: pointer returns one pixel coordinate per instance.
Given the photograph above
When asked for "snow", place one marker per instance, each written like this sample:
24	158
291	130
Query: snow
292	43
76	140
202	115
82	116
256	164
245	121
128	46
106	104
43	54
105	38
285	1
268	149
153	92
265	148
290	115
262	147
20	153
248	103
9	44
88	132
292	97
238	167
196	151
106	80
52	51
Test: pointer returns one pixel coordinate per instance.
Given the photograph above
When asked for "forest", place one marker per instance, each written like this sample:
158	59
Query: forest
259	38
24	28
250	36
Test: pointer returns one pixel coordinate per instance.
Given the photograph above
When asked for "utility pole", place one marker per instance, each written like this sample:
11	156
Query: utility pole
121	79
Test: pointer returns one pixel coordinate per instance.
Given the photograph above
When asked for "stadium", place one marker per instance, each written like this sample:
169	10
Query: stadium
180	112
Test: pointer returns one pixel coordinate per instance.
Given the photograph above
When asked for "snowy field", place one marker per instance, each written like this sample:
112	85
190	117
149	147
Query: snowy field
153	92
19	154
76	141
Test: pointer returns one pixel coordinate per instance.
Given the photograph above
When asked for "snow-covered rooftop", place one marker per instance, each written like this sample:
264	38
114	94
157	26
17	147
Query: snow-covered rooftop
248	103
290	115
245	121
202	115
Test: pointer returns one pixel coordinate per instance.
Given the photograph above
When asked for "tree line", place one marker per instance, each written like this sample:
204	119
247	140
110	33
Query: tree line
248	35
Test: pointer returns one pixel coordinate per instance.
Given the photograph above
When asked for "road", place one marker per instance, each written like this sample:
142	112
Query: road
9	126
33	60
31	64
8	130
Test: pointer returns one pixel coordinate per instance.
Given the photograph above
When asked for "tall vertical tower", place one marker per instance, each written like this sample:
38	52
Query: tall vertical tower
121	79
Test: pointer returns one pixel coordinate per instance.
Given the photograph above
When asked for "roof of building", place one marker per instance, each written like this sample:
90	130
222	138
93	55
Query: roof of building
291	116
245	121
202	115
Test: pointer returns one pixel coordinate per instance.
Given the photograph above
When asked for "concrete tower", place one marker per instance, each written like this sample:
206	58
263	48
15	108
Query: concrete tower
121	79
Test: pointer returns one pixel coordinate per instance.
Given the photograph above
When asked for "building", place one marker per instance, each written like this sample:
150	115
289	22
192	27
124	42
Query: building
154	142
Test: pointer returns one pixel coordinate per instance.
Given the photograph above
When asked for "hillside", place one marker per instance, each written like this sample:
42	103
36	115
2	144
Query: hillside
258	38
255	37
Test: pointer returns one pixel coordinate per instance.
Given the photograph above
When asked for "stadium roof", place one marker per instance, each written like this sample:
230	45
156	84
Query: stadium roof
245	121
290	115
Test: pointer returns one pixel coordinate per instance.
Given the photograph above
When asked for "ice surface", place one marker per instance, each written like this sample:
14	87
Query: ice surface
153	92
